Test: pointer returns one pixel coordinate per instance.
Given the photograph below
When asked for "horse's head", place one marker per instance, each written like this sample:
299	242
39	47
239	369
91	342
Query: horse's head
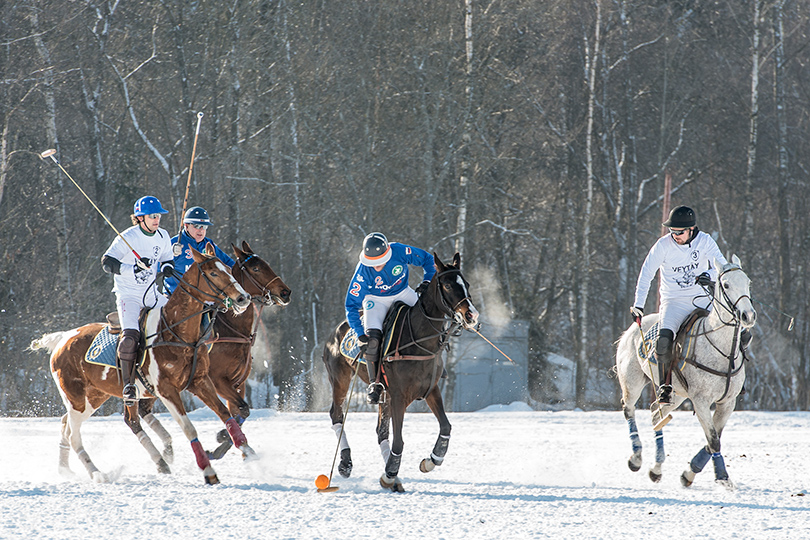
258	279
214	282
733	291
451	292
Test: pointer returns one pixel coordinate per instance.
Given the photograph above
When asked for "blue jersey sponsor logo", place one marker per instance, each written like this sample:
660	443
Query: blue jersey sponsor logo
368	304
397	270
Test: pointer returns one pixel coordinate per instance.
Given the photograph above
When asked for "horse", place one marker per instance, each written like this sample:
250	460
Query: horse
411	371
230	360
175	360
712	372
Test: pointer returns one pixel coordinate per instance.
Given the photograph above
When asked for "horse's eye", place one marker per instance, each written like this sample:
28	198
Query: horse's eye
254	269
725	285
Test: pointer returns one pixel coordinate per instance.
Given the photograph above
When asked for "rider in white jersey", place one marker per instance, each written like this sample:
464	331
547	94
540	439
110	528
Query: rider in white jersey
134	279
684	260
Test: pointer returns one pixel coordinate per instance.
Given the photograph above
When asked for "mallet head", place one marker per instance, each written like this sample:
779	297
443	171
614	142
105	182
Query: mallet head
47	153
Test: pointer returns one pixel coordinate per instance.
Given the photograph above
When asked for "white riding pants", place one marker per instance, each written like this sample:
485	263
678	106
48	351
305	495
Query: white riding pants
674	311
376	307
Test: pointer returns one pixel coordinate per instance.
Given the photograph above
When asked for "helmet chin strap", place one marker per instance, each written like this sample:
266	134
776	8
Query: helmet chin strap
145	226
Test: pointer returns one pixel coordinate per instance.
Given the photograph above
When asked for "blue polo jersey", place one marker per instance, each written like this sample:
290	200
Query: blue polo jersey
184	261
391	280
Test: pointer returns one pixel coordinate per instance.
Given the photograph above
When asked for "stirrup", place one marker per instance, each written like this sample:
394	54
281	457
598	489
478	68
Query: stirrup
130	394
665	394
374	392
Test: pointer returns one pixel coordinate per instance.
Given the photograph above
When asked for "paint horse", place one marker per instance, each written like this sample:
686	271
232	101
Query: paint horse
175	360
712	372
410	369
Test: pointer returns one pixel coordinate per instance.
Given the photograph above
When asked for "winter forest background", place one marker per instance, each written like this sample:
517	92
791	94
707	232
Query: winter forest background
533	137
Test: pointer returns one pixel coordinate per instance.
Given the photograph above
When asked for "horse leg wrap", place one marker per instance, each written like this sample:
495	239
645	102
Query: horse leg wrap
238	438
700	460
343	441
720	472
392	467
660	455
635	440
200	455
440	449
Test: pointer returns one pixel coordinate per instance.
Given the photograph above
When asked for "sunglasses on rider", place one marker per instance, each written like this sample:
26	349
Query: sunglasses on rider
198	227
678	232
153	216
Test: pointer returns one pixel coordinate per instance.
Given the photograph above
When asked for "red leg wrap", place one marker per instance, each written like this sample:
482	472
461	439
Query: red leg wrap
199	453
238	438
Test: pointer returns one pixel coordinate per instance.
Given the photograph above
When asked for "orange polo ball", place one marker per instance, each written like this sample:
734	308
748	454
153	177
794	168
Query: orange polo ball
322	482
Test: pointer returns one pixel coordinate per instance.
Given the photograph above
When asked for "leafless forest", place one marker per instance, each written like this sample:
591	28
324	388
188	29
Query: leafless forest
533	137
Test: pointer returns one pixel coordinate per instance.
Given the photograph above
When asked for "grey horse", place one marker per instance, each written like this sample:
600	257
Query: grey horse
712	373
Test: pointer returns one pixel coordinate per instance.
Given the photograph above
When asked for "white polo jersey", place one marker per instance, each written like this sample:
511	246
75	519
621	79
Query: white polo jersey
156	247
679	266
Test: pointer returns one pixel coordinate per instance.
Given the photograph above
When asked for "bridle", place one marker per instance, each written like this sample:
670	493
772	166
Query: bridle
449	310
265	296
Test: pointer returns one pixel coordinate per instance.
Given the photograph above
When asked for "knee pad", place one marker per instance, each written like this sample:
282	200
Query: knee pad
128	344
664	343
374	339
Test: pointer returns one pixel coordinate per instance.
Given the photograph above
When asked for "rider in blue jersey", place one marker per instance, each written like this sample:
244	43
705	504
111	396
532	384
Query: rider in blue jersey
380	279
195	225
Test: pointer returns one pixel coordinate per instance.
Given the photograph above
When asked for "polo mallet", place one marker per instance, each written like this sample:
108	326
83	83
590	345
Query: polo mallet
176	248
493	345
51	153
646	352
329	487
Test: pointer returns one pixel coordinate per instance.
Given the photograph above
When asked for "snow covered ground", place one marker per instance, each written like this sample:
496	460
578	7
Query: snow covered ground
510	473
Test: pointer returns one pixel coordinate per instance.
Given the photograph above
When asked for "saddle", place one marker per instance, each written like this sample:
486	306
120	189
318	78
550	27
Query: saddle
102	350
683	347
350	347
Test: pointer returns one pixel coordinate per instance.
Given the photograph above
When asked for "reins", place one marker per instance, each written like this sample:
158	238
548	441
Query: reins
731	309
207	308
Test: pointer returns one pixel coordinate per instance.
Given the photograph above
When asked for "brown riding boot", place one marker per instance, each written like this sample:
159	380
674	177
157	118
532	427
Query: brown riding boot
371	356
127	355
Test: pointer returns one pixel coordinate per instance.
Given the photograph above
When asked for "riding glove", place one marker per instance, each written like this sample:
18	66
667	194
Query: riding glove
636	312
422	287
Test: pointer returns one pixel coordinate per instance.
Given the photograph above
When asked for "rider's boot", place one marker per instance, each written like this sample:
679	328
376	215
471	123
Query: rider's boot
372	358
663	352
127	354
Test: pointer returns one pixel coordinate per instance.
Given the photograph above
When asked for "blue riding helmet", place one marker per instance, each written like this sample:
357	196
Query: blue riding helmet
197	215
148	205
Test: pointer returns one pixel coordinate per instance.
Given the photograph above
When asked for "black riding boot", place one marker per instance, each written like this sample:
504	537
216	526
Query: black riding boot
127	355
372	358
663	352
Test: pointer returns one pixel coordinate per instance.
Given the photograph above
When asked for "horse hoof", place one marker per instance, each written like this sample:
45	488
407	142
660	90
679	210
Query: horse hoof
394	484
163	467
65	471
726	483
223	436
687	477
211	480
655	476
100	478
634	463
427	465
248	454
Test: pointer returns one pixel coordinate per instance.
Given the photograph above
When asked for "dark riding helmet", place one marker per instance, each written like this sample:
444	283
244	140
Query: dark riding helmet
681	217
197	216
376	250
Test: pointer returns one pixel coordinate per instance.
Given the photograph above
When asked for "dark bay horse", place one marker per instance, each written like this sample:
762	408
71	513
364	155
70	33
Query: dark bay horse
230	359
233	336
410	371
175	360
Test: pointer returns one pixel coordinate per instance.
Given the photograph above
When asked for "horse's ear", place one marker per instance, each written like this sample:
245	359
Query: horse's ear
438	262
736	260
238	252
246	247
718	266
197	256
209	250
457	260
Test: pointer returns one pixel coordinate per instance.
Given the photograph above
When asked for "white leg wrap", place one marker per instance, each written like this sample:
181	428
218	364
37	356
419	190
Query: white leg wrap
385	450
341	433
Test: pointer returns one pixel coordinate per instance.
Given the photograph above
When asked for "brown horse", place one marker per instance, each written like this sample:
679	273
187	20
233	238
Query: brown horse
410	371
175	360
233	336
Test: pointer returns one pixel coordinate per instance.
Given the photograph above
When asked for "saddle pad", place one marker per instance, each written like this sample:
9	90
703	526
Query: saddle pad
102	350
350	347
649	343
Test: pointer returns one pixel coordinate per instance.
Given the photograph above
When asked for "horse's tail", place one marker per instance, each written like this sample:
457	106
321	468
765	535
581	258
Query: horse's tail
48	342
